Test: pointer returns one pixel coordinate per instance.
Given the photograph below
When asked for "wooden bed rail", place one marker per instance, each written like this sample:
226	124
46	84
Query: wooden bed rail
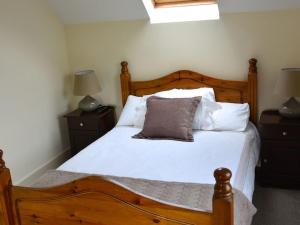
5	197
93	201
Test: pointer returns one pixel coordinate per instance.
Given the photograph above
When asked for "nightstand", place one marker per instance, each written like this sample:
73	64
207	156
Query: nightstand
280	150
86	127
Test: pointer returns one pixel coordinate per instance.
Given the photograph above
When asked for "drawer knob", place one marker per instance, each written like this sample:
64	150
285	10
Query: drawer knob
284	133
265	161
81	124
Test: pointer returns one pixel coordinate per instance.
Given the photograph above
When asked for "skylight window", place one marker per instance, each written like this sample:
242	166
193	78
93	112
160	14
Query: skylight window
167	11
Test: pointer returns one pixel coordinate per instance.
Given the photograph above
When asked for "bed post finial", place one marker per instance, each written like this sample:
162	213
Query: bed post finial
125	81
252	65
223	198
2	162
124	65
223	187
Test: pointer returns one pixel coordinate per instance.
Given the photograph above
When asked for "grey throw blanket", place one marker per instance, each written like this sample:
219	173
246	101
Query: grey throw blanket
186	195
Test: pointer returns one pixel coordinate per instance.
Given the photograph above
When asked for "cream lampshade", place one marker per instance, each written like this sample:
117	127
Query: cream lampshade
288	85
86	84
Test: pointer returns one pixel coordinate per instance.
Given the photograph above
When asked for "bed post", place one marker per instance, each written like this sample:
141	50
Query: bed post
5	200
125	81
252	89
223	198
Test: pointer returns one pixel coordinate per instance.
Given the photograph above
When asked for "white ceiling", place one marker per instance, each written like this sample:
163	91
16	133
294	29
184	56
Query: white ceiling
82	11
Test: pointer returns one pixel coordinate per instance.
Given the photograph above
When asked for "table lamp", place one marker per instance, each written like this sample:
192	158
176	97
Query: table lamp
288	85
86	84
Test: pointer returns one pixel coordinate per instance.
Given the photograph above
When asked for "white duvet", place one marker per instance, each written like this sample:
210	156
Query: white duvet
118	154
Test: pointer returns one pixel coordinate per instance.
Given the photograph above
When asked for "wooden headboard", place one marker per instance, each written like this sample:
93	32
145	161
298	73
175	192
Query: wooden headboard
225	90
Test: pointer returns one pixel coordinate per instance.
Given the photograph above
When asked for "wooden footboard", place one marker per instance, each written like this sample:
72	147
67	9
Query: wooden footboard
94	201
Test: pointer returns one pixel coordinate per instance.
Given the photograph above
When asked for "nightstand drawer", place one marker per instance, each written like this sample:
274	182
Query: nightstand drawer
281	158
280	149
280	132
82	124
86	127
81	139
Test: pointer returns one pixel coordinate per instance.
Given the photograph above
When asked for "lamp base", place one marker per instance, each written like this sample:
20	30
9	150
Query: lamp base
88	104
290	109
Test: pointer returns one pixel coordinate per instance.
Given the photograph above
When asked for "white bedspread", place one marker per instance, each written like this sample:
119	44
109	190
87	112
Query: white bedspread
117	154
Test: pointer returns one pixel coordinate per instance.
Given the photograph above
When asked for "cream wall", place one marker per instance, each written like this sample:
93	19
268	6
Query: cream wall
220	48
33	94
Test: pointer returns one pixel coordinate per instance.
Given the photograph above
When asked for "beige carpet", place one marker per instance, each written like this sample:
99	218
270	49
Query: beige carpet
276	206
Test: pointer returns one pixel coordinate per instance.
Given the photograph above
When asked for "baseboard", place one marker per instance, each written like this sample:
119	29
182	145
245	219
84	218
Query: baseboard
50	164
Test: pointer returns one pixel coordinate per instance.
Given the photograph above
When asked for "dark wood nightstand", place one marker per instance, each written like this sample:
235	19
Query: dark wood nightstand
280	150
86	127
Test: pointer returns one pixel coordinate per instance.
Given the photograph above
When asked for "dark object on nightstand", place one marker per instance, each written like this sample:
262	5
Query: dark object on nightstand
280	150
86	127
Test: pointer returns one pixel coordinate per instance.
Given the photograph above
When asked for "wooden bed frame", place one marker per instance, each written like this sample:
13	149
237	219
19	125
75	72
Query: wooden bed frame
95	201
225	90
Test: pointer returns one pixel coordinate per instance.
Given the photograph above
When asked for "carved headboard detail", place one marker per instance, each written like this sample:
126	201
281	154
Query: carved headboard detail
225	90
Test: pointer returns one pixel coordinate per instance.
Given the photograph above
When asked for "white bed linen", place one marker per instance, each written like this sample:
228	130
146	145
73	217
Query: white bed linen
118	154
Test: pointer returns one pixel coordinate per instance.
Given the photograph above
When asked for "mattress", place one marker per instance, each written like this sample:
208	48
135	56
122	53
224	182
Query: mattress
117	154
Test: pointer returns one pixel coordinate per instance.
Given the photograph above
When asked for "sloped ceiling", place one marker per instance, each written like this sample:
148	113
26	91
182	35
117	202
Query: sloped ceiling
83	11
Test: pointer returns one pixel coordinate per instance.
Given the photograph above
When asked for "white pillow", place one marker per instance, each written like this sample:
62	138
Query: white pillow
128	115
141	113
206	93
224	116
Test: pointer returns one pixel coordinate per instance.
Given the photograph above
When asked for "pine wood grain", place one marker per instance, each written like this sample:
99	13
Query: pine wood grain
95	201
174	3
225	90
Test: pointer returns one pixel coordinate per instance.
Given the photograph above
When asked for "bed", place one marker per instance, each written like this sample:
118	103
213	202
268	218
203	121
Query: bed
178	162
120	196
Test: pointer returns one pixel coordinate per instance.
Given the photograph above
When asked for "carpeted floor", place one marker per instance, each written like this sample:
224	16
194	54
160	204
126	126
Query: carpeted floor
276	206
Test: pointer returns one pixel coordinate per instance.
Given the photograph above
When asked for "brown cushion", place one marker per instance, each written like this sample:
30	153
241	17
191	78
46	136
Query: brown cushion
169	118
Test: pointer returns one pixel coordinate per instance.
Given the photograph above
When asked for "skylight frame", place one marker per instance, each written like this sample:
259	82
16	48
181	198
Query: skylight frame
181	13
172	3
